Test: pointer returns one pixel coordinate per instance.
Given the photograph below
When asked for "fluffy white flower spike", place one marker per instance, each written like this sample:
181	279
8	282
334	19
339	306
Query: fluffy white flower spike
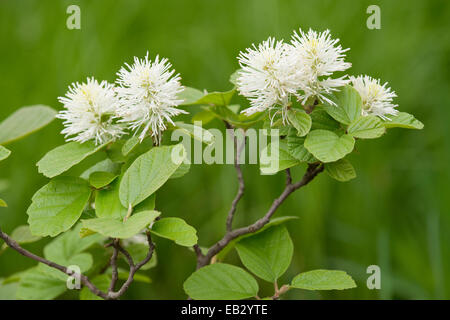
90	112
377	99
317	56
267	78
148	96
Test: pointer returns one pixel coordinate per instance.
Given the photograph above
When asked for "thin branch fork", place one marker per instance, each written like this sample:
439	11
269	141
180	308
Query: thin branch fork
312	171
110	295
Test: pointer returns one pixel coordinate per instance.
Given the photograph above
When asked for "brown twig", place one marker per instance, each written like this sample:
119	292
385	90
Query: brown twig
113	263
312	171
110	295
240	193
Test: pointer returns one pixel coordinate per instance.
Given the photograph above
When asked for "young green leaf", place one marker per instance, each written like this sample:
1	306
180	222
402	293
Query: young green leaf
296	148
366	127
273	222
204	116
273	162
403	120
116	228
234	76
220	281
4	153
327	146
107	202
149	172
105	165
100	179
323	280
22	235
190	96
3	203
25	121
341	170
348	105
129	145
37	285
322	120
267	254
182	170
175	229
57	206
64	157
217	98
196	132
300	120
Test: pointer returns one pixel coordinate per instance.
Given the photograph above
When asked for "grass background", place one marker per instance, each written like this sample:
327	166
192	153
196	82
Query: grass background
396	214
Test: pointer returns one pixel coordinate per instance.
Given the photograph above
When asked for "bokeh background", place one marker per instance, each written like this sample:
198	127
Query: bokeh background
396	214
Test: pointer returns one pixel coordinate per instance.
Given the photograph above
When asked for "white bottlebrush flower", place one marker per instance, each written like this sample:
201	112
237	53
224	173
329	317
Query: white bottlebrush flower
377	99
268	78
148	95
90	112
317	56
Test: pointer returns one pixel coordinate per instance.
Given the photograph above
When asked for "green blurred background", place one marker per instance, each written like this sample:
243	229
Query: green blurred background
396	214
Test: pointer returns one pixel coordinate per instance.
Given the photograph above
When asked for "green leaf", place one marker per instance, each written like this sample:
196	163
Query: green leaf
196	132
348	105
296	148
190	96
25	121
272	163
204	116
100	179
105	165
217	98
234	76
129	145
37	285
322	120
274	222
341	170
277	124
22	235
3	203
237	120
67	250
57	206
138	252
182	170
175	229
366	127
4	153
220	281
149	172
267	254
300	120
107	202
8	291
323	280
327	146
403	120
64	157
115	228
102	282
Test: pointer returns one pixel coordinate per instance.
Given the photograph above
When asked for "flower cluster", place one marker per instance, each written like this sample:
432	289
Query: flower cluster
143	100
275	72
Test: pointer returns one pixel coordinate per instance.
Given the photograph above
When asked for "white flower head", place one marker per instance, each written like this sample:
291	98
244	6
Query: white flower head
148	95
267	78
377	99
90	112
317	56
